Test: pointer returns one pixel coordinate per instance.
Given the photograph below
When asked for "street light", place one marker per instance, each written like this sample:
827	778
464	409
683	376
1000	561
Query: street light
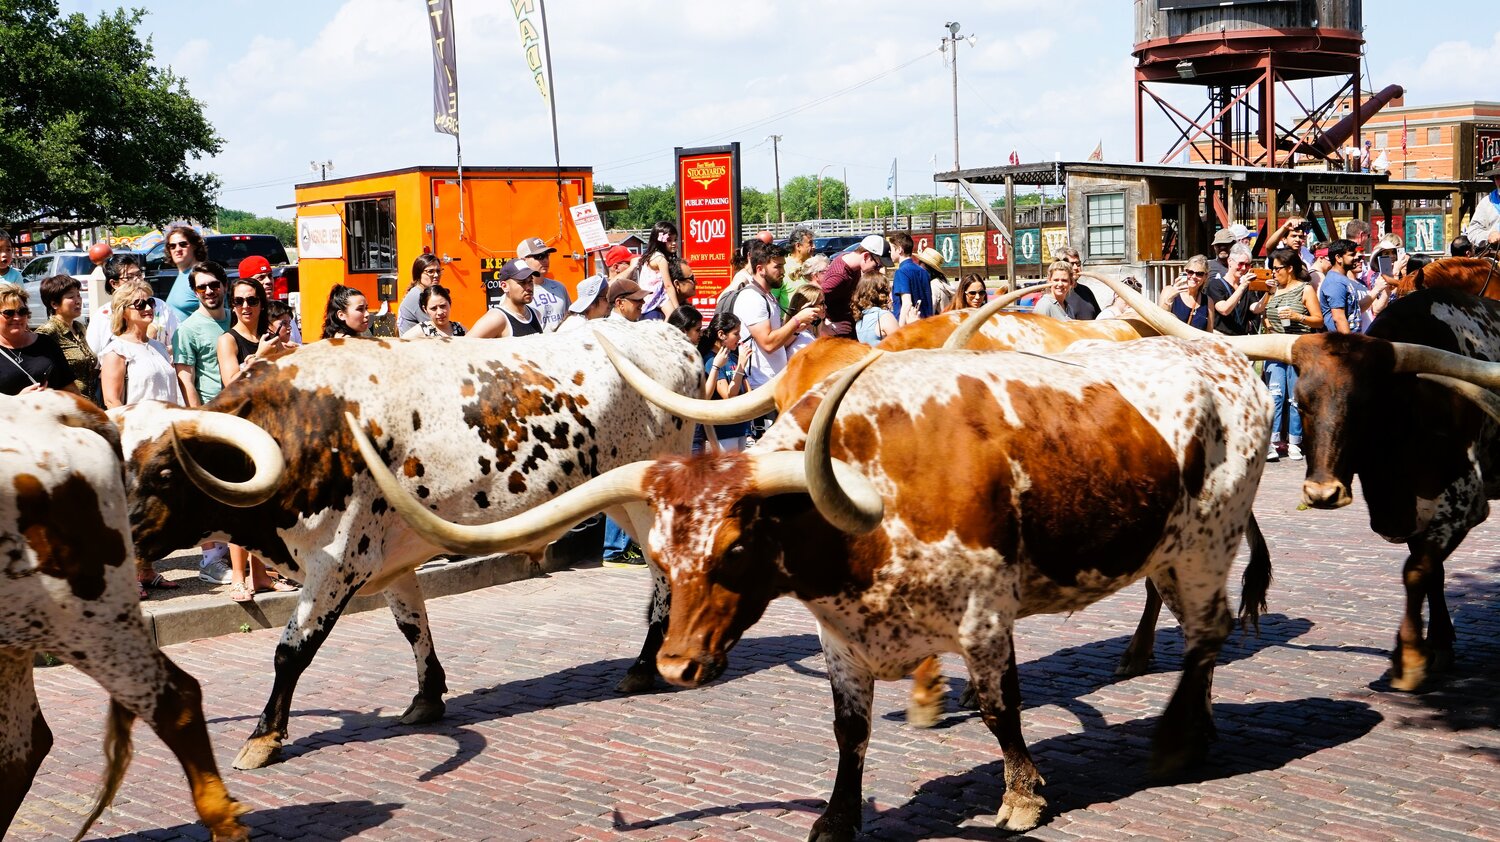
321	167
952	42
820	190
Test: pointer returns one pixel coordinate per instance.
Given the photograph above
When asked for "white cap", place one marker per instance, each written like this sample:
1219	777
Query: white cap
588	292
874	244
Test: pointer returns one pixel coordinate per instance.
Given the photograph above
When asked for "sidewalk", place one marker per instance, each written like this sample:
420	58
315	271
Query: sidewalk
198	609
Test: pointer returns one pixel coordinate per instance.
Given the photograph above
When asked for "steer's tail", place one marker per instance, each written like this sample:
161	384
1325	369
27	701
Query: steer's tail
117	754
1257	578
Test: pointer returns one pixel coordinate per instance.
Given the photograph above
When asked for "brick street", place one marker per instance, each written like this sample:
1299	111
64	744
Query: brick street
1312	742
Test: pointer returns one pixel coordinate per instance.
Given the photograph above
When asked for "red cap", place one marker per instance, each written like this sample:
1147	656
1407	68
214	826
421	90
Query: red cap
617	255
1322	252
254	265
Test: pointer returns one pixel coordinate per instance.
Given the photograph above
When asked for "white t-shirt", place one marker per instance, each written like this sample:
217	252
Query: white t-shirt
98	334
550	300
753	307
149	376
574	322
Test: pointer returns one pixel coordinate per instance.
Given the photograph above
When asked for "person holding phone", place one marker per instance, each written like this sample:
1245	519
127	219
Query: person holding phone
726	369
1293	235
1187	299
250	336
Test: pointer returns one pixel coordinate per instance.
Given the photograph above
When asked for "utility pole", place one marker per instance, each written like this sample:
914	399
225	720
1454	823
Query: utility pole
776	156
952	40
321	167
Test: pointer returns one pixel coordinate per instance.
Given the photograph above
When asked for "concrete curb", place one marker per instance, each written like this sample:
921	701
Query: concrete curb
170	624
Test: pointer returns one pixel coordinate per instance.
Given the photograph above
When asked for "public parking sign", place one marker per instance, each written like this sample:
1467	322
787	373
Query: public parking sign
708	214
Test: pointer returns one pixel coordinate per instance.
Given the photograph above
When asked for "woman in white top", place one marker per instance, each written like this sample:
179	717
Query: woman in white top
436	304
134	367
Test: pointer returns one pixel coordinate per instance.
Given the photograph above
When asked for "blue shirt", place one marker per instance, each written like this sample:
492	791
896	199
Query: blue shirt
12	276
182	298
726	431
1338	291
911	279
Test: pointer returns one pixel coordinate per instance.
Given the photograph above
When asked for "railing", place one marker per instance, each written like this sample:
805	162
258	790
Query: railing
1159	275
969	220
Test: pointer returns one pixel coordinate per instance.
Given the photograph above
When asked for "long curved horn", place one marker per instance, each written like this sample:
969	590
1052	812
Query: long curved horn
1270	346
846	499
540	523
1421	359
744	407
961	337
248	438
1478	395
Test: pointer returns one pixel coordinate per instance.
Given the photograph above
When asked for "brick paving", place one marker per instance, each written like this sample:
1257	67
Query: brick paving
1312	743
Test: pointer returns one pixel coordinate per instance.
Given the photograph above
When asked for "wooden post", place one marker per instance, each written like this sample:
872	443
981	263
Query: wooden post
1010	225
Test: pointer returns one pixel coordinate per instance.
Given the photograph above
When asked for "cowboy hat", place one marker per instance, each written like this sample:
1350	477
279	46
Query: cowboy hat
931	258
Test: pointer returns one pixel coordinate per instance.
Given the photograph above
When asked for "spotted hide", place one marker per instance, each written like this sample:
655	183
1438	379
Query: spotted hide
70	590
1426	456
936	498
478	429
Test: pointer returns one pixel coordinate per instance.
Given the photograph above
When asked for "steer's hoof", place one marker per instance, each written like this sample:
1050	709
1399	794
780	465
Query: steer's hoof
1441	660
830	828
1019	811
423	710
1173	756
1132	665
638	680
969	698
258	753
1410	679
230	831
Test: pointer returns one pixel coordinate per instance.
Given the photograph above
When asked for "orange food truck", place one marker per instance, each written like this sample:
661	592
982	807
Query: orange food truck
364	231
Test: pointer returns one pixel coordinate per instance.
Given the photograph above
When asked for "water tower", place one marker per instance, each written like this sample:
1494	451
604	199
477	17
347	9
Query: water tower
1218	69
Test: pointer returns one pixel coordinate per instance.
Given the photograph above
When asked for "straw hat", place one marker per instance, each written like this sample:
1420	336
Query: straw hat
931	258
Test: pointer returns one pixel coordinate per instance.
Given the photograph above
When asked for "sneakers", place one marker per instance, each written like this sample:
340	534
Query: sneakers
1293	452
216	572
1273	455
631	558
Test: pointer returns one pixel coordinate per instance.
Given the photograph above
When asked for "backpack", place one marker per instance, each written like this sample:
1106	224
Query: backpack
728	297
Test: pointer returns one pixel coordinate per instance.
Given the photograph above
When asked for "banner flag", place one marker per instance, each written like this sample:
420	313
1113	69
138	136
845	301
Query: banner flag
531	44
891	179
1098	153
444	67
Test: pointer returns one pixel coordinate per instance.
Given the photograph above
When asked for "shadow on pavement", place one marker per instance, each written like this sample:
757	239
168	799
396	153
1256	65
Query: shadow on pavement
592	682
332	820
1467	695
1064	677
1108	764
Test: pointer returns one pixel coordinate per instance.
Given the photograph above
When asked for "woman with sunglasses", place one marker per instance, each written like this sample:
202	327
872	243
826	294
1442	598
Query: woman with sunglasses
426	272
1291	306
971	293
249	337
1187	297
31	362
134	367
185	249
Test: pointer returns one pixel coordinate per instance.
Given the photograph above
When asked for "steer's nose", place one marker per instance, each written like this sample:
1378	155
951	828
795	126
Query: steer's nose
1325	495
686	671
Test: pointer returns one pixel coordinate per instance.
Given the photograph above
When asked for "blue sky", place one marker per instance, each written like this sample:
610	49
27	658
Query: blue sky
287	83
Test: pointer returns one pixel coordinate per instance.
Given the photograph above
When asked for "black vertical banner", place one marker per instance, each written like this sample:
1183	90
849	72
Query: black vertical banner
444	67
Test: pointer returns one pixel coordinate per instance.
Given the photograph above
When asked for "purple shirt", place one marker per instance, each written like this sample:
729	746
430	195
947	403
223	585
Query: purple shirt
838	282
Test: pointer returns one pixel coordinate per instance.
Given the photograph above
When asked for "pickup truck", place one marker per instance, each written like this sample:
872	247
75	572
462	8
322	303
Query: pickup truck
228	250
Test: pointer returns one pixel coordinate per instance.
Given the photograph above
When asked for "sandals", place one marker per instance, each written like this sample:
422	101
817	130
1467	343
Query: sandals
159	583
240	592
278	585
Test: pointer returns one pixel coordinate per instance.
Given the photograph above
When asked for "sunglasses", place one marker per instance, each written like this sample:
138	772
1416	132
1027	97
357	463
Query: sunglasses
211	286
132	276
975	292
245	302
181	244
1194	273
143	305
18	313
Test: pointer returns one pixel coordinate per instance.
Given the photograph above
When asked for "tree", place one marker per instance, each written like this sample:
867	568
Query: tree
799	198
648	205
756	206
244	222
90	129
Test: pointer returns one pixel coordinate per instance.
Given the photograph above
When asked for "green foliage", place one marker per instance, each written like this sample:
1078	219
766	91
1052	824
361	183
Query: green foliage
244	628
756	208
649	205
244	222
799	198
90	128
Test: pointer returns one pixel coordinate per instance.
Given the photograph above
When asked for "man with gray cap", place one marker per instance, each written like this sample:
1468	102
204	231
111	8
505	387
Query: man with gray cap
1225	240
842	275
551	298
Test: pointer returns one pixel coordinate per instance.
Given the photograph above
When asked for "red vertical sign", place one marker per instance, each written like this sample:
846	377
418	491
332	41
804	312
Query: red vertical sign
708	214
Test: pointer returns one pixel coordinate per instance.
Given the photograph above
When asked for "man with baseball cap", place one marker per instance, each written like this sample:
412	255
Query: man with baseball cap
551	298
513	315
592	303
842	275
626	298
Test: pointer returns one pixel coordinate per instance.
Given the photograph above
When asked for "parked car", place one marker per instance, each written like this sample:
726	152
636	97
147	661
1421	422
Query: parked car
832	246
72	263
228	250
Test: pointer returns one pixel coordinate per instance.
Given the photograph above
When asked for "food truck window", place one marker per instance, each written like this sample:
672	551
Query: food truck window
372	235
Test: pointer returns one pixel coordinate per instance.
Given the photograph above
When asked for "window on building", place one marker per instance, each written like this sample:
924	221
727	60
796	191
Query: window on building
1434	136
370	227
1382	140
1411	137
1106	225
1411	171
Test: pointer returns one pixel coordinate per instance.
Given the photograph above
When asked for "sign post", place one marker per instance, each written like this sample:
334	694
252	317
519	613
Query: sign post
708	216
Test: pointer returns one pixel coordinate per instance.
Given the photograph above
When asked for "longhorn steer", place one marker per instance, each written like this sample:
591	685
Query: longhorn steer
69	589
1059	481
1425	453
480	428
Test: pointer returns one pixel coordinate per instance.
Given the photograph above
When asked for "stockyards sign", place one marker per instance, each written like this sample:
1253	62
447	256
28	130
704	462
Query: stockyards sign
1340	192
708	214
